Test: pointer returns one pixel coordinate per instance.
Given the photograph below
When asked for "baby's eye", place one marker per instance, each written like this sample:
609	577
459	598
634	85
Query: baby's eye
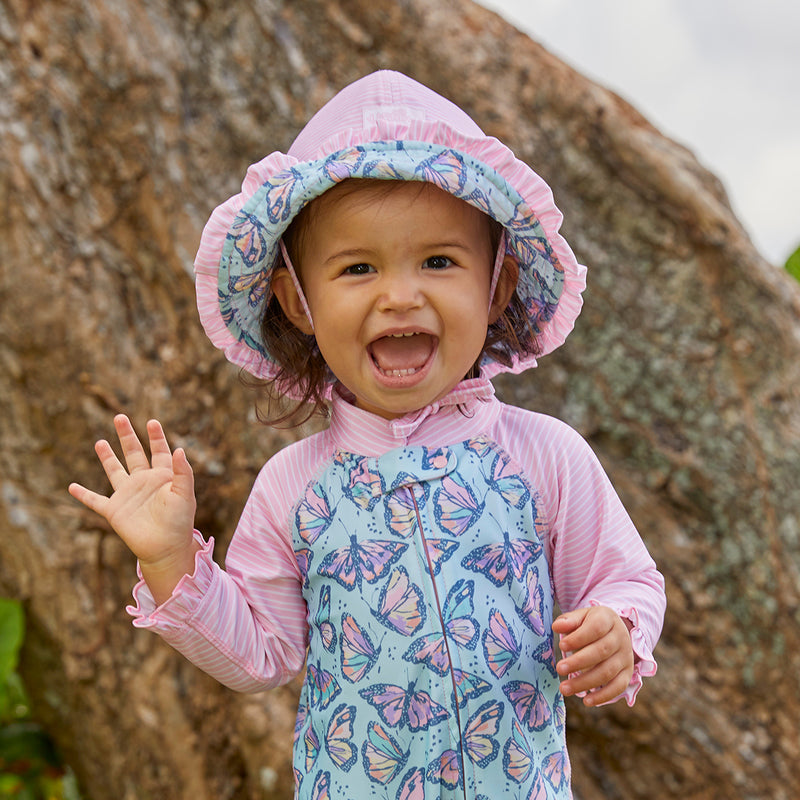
437	262
357	269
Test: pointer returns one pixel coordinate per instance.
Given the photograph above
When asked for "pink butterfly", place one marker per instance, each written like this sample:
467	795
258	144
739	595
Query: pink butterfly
278	199
358	653
368	559
544	655
446	769
343	164
479	445
538	788
313	515
517	755
365	487
431	649
413	785
312	747
468	686
503	561
532	610
398	706
303	557
322	687
500	646
401	511
249	239
338	740
455	506
439	550
382	756
530	705
401	605
556	769
505	480
322	785
446	170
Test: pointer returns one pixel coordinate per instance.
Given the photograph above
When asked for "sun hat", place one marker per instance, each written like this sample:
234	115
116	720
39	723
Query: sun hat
384	126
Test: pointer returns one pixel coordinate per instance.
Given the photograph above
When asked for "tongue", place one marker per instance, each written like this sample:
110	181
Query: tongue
397	353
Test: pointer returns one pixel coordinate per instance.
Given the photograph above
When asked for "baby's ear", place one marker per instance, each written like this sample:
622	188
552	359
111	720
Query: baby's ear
284	289
506	283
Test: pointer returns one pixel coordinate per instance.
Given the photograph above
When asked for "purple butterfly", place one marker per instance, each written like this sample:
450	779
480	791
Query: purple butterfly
338	740
544	655
532	610
503	561
278	200
481	746
500	646
304	557
468	686
366	485
358	653
505	480
249	239
401	511
381	169
517	755
538	788
322	785
556	769
398	706
431	649
312	747
439	550
446	769
455	506
413	785
322	687
313	515
343	164
530	705
401	605
369	560
446	170
382	755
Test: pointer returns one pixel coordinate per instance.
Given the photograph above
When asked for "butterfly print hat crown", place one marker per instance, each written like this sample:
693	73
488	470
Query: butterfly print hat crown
383	126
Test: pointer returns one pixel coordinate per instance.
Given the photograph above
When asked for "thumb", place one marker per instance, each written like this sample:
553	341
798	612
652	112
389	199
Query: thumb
569	621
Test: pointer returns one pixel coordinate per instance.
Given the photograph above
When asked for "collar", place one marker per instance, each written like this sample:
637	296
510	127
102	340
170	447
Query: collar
462	413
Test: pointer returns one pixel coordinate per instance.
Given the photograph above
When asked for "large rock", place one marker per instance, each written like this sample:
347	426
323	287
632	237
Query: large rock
122	124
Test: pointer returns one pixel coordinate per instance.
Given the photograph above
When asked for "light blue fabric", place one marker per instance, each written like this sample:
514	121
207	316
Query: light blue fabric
430	667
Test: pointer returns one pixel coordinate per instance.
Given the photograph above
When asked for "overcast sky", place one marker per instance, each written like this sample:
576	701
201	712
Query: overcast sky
722	77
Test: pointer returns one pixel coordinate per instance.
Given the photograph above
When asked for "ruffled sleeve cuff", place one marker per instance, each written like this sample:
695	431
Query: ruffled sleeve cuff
644	664
185	598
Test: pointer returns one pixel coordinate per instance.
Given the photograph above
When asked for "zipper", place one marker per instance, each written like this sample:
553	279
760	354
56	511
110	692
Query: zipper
446	643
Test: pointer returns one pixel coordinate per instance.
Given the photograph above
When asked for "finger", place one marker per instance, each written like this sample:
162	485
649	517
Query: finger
132	449
160	453
93	501
567	623
591	629
183	476
112	466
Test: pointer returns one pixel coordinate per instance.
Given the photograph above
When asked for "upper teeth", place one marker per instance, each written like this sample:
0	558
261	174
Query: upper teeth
400	335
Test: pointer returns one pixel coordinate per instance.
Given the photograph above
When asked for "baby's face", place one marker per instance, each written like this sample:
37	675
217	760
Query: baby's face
397	282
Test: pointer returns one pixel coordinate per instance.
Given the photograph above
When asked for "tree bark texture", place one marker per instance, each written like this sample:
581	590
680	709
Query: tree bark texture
123	123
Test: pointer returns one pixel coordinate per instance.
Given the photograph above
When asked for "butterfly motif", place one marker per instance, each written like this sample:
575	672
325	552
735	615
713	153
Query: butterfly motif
300	720
381	169
304	557
435	459
479	743
278	199
530	704
517	755
365	487
398	706
338	740
401	605
500	646
322	785
312	747
446	170
455	506
322	687
412	786
532	610
544	655
381	755
538	788
256	285
313	515
503	561
459	624
439	550
369	560
250	241
401	511
358	653
556	769
560	713
468	686
505	480
327	633
343	164
479	445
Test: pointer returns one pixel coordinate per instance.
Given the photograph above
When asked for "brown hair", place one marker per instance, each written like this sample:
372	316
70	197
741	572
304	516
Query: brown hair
302	371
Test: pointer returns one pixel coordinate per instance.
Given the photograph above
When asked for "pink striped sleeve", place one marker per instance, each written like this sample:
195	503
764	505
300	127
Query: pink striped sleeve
595	553
245	625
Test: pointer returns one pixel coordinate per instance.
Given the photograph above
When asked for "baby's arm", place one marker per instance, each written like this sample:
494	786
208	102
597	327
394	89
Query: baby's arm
152	506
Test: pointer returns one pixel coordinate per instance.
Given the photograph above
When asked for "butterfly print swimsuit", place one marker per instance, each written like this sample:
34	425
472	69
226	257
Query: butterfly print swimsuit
431	659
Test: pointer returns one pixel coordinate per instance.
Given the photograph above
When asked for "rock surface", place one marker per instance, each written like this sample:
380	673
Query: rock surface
123	123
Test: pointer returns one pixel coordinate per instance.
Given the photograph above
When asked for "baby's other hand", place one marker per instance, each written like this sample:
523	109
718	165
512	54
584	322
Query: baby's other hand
598	652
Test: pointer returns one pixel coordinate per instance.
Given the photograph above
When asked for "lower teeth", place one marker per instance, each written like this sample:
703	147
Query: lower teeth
396	373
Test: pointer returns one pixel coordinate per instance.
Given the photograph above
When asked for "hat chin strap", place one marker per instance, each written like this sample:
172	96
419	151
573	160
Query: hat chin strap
496	270
296	281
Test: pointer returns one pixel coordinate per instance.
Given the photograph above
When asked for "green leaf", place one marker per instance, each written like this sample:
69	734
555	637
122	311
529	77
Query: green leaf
793	264
12	632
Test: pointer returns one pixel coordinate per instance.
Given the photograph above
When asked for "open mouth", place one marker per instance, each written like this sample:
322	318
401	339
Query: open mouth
400	354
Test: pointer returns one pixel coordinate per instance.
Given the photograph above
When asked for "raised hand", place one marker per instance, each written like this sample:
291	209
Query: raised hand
599	660
152	505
